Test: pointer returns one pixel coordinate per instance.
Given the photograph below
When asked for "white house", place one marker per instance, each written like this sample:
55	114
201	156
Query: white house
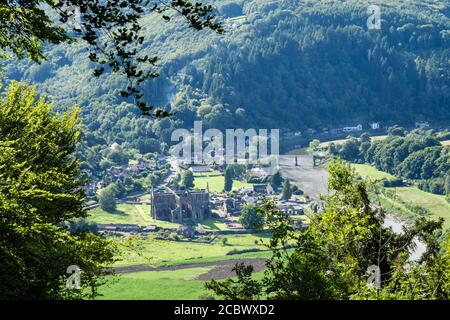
352	129
375	126
200	169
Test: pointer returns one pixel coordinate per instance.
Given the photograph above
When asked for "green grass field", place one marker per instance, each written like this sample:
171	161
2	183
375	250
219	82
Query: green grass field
165	252
336	142
180	284
437	204
124	214
156	285
368	171
298	152
214	224
128	214
395	207
216	182
378	138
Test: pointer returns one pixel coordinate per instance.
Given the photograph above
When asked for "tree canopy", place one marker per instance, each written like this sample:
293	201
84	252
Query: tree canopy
228	177
40	190
187	179
252	217
289	64
107	198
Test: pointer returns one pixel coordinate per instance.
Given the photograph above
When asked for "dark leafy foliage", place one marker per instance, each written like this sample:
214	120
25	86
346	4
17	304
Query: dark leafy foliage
39	195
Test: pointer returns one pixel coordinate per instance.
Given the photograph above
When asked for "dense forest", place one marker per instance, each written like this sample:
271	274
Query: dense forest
284	64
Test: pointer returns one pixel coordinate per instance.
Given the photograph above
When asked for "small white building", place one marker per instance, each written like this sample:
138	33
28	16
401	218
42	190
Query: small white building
200	169
375	126
353	129
236	21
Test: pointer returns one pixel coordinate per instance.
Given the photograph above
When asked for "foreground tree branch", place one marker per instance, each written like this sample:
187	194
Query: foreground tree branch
112	29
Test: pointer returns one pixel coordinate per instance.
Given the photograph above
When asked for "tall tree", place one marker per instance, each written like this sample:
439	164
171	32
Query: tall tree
229	175
187	179
447	184
252	217
107	198
40	190
276	180
286	193
314	145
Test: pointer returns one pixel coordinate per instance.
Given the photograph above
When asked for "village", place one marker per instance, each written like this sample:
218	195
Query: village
167	201
189	207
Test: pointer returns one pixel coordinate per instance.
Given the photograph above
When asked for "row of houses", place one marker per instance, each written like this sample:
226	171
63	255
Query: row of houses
348	129
118	175
231	204
356	128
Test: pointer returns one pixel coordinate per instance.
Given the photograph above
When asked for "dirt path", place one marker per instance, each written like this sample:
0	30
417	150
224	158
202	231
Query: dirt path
222	269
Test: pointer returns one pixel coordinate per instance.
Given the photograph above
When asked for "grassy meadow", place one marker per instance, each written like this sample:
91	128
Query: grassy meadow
156	285
180	284
183	283
368	171
124	214
128	214
158	252
216	181
436	204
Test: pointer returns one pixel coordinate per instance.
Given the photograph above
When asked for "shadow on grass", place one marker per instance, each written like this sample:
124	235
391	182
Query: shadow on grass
211	224
264	234
117	212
